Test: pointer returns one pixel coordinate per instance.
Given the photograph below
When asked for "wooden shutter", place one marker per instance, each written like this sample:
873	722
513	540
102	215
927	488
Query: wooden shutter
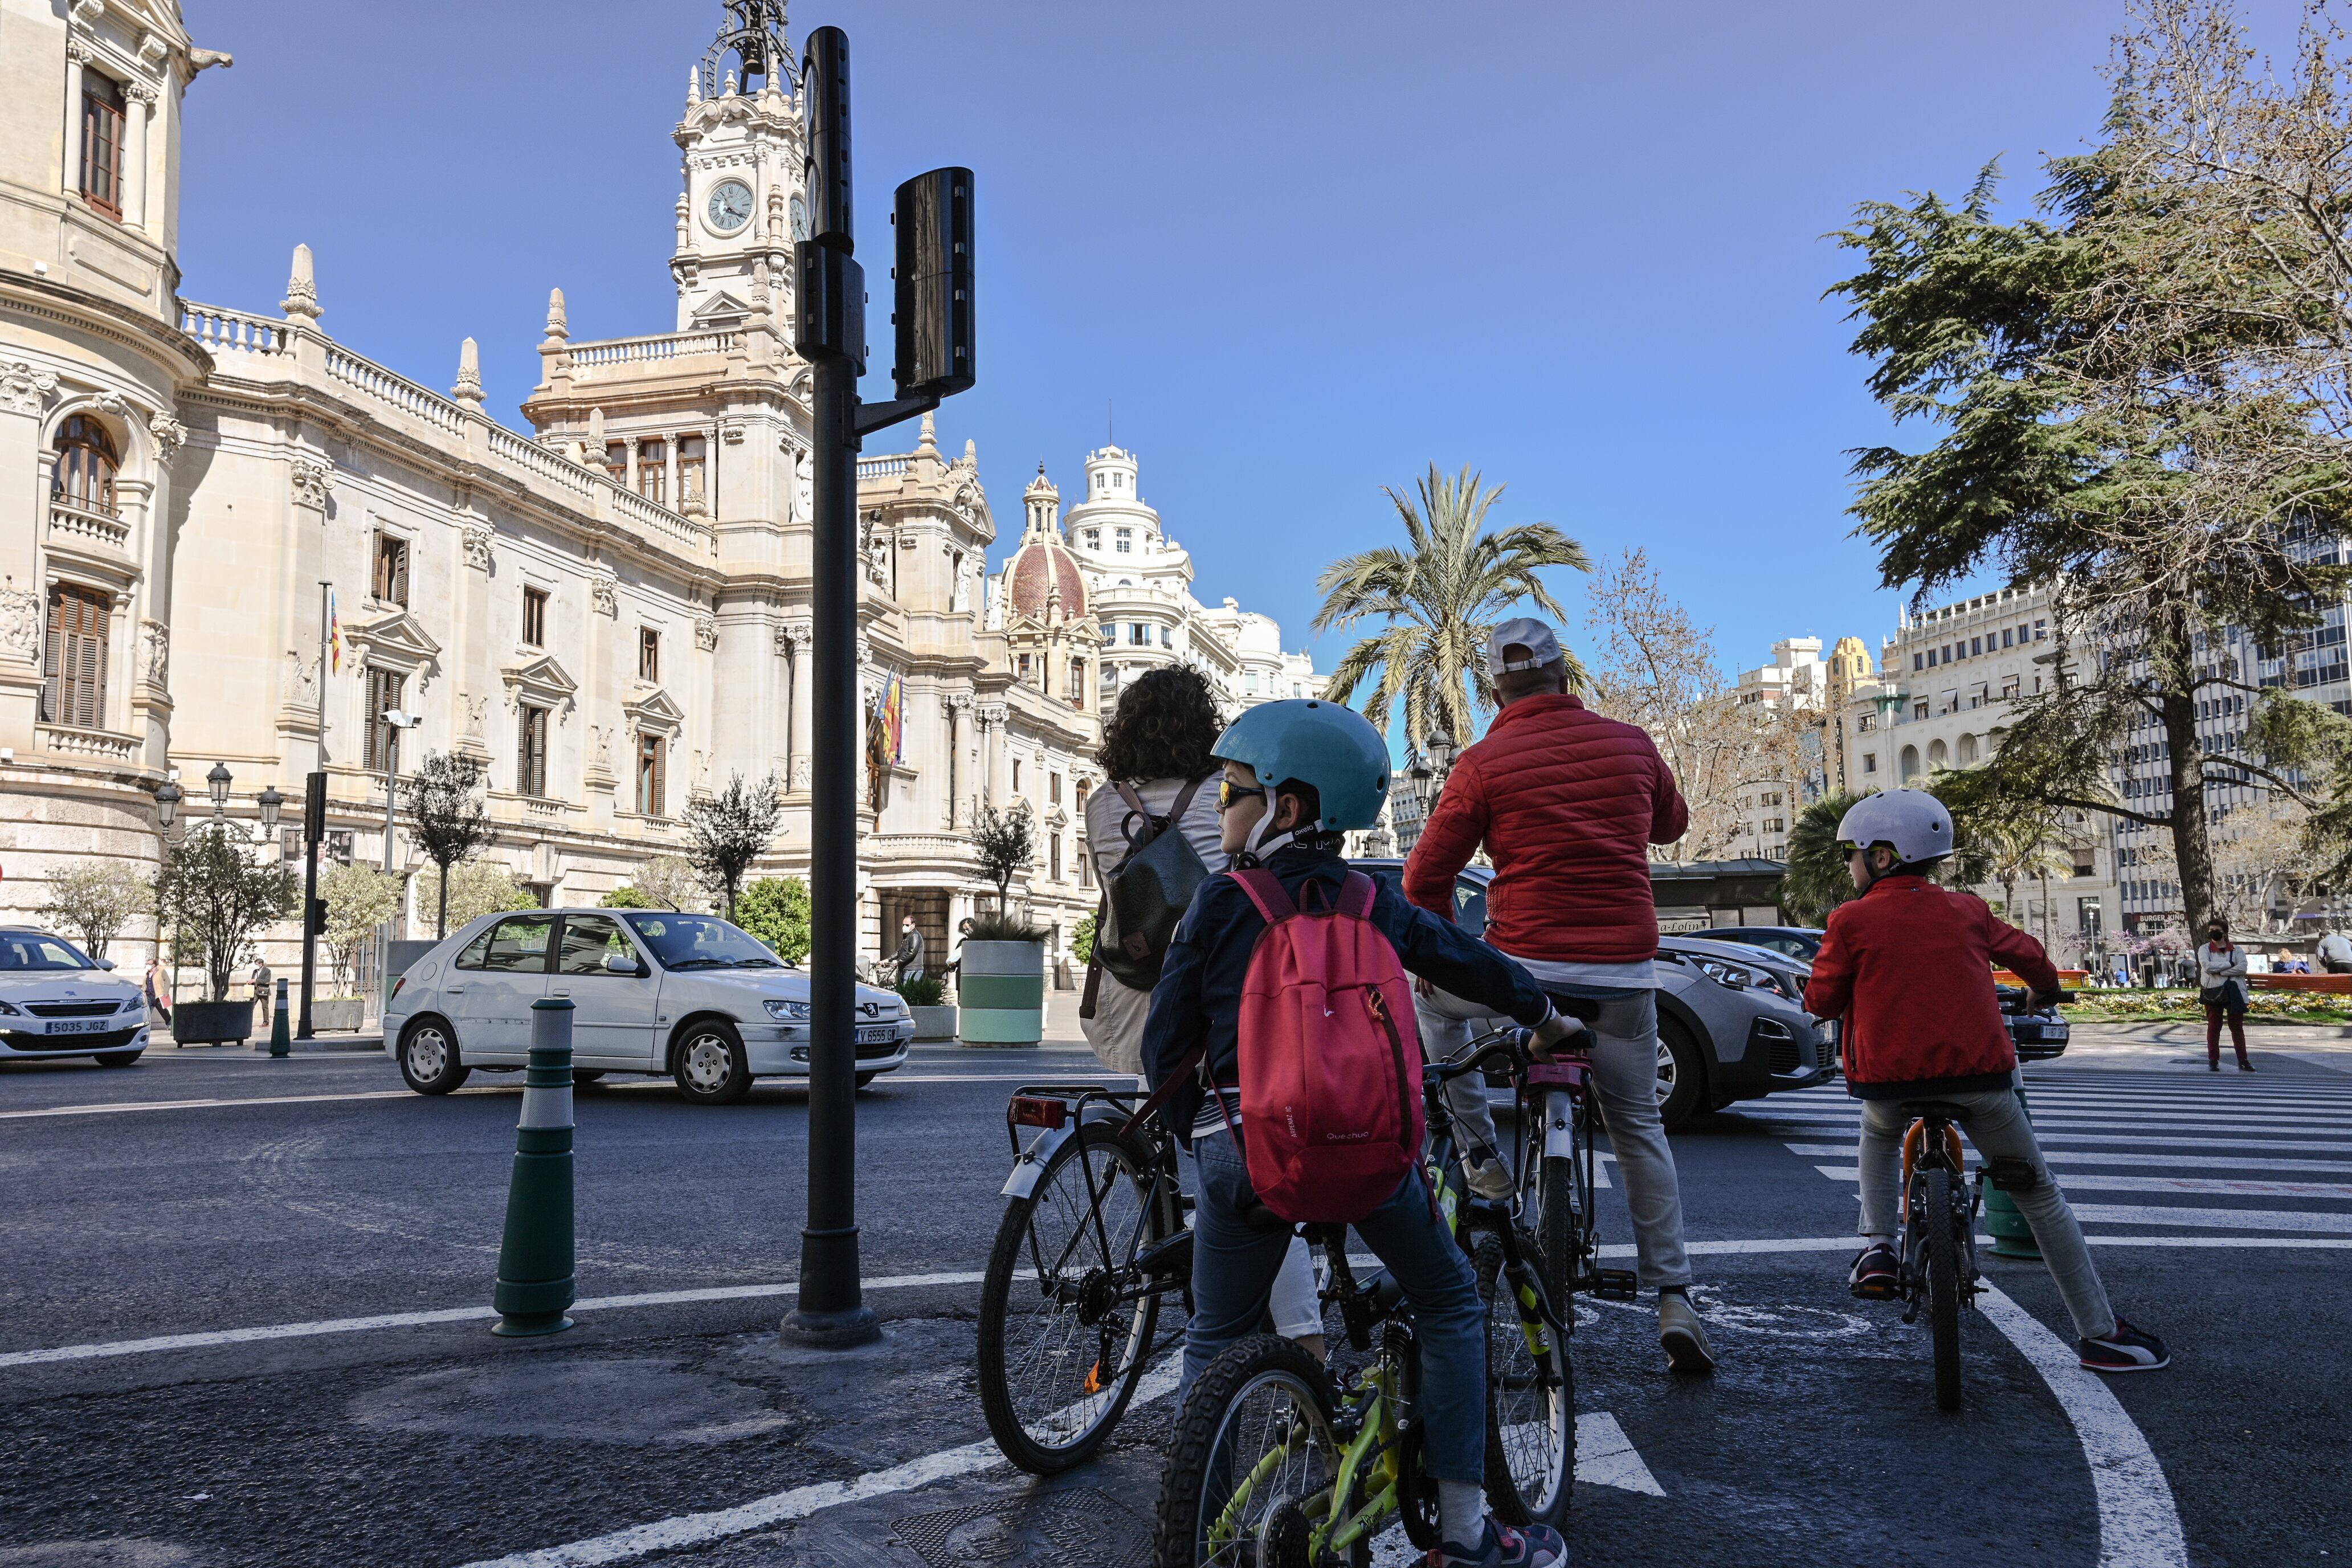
74	685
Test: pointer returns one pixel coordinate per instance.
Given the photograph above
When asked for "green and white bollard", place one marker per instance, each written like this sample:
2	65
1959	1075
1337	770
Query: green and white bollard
2011	1236
535	1267
281	1037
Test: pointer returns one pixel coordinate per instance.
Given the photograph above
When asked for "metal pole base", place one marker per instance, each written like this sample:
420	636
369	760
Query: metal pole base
513	1327
831	1330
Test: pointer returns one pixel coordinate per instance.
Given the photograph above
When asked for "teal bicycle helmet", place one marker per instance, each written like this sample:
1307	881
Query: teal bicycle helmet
1332	747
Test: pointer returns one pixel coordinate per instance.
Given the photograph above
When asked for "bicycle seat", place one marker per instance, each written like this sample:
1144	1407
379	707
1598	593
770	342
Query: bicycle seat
1942	1110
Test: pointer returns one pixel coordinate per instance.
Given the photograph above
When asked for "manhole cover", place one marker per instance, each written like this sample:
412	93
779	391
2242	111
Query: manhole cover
1080	1527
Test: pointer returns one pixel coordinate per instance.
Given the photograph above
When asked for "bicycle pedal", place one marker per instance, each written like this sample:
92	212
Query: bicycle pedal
1615	1284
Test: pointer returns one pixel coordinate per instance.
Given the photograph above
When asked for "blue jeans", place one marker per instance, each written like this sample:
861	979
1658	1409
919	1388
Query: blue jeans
1235	1263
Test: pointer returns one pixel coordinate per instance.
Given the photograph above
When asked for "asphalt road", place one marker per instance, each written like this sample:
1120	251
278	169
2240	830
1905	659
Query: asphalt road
254	1195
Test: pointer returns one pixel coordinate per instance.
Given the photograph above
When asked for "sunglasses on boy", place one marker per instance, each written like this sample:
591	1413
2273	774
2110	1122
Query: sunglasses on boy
1228	792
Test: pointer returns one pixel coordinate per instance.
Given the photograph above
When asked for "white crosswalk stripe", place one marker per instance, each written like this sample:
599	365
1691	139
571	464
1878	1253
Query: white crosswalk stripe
2277	1141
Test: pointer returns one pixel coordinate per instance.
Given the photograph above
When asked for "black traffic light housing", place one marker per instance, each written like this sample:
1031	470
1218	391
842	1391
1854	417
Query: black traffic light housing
932	306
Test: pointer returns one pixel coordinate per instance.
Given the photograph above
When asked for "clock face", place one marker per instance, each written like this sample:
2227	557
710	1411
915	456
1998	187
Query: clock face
730	205
800	218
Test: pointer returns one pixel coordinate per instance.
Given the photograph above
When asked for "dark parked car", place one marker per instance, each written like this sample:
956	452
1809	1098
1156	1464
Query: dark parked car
2038	1035
1731	1024
1799	942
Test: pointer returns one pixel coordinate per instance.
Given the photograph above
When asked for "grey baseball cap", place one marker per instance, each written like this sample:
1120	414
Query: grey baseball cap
1524	632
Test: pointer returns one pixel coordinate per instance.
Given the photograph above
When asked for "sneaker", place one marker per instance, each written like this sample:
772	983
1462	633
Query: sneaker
2125	1348
1876	1273
1679	1331
1506	1546
1491	1179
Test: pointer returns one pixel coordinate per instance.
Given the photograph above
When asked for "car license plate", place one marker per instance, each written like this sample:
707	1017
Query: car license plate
881	1036
80	1025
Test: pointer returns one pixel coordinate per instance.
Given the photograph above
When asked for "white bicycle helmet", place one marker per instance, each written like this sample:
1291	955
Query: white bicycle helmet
1911	822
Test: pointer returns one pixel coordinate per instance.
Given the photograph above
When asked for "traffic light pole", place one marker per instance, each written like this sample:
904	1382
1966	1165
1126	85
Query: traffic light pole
830	333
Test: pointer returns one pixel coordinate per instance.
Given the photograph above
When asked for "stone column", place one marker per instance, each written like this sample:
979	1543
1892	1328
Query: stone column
670	486
77	56
801	637
958	704
633	462
139	101
25	395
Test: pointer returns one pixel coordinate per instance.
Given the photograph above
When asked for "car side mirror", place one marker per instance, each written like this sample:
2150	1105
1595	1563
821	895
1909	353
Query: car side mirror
622	964
106	964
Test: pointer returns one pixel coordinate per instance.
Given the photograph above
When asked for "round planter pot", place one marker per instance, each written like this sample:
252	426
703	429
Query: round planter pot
1000	993
934	1022
212	1023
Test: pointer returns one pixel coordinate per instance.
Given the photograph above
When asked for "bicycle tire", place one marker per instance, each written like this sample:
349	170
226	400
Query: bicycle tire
1277	1368
1530	1477
1042	1414
1944	1288
1558	1204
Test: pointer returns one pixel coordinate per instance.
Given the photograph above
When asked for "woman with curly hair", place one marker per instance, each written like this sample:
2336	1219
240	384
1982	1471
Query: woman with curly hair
1157	745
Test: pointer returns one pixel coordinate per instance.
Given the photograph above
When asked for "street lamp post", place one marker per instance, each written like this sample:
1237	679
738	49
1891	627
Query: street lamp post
395	721
934	315
167	813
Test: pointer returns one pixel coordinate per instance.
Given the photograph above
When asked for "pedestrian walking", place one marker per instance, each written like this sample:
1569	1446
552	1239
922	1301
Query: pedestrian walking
159	992
2221	986
1567	802
2335	954
1157	770
955	965
261	984
908	959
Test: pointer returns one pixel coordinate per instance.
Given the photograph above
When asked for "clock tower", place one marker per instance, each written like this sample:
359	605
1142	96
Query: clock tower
742	204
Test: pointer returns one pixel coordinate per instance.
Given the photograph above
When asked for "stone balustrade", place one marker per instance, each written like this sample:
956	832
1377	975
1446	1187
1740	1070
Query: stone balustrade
72	525
881	467
99	745
398	390
952	846
684	531
609	352
508	447
224	331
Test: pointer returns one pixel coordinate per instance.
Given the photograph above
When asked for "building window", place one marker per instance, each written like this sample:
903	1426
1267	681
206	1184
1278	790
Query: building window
1054	857
1139	635
2008	637
653	471
530	751
384	687
691	452
1167	637
1054	789
390	581
649	655
534	618
1016	775
73	685
1918	709
649	775
2041	631
1249	682
1123	539
1918	661
1021	667
84	477
101	143
1910	763
1870	762
1094	539
1976	646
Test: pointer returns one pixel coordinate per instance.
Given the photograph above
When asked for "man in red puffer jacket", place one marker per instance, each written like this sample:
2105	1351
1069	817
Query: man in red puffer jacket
1568	802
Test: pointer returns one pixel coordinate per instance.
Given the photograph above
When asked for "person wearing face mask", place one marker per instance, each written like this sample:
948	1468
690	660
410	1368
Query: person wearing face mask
2221	986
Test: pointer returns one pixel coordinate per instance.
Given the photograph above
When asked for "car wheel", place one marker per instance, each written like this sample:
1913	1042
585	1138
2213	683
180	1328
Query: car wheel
711	1067
1682	1075
118	1059
428	1057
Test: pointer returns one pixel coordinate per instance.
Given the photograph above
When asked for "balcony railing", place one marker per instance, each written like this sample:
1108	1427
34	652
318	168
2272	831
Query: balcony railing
232	331
652	349
102	745
74	525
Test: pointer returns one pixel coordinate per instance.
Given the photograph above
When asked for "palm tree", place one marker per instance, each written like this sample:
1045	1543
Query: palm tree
1816	881
1439	598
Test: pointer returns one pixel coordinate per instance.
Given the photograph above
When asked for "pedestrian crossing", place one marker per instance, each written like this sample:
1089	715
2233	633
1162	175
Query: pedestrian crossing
2181	1154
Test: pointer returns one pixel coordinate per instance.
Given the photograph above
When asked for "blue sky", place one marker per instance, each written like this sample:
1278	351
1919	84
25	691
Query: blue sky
1305	248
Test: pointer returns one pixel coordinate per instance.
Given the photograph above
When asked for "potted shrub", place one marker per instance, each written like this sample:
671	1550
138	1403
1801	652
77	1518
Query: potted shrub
927	1000
214	890
1000	987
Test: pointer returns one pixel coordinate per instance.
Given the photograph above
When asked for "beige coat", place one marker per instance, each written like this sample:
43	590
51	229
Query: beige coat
1116	1031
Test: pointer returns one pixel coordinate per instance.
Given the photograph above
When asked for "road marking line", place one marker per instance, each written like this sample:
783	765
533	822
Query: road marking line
2134	1157
1606	1456
2215	1219
2263	1145
2100	1182
699	1528
204	1341
2139	1524
2122	1125
205	1104
2328	1242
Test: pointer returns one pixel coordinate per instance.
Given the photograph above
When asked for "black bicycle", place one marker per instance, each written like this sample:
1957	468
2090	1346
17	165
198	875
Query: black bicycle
1558	1133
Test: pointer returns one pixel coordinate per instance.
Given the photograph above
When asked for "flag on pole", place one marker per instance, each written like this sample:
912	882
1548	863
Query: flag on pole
335	637
894	716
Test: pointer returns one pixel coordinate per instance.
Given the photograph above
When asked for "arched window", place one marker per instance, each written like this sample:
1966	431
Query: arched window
1967	749
1938	756
86	465
1910	763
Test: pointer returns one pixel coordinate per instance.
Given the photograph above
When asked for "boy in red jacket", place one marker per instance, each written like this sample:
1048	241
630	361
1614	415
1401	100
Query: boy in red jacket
1909	967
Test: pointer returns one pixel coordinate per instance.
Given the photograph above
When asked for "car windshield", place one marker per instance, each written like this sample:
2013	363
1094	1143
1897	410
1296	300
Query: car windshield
700	942
21	950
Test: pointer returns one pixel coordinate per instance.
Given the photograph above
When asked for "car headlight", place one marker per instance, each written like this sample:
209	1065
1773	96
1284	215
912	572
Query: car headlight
788	1012
9	1009
1735	975
133	1002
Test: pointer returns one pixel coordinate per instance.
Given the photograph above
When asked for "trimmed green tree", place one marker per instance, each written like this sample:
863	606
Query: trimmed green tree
1007	843
359	898
776	910
727	831
476	887
220	894
447	819
96	901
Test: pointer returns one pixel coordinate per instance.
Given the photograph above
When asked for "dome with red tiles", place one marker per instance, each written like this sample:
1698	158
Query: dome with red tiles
1042	581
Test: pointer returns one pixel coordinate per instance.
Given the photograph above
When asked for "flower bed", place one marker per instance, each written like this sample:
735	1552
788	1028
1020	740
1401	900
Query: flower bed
2182	1007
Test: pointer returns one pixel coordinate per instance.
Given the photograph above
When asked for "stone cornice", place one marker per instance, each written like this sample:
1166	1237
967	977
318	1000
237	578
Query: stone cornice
42	300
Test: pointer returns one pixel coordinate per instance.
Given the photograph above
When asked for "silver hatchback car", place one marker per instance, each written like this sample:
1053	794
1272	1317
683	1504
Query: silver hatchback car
655	992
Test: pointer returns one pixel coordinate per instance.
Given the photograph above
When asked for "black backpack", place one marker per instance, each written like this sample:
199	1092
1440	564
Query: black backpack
1148	892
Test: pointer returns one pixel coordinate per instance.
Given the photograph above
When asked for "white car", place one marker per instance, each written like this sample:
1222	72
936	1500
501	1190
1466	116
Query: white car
57	1001
653	991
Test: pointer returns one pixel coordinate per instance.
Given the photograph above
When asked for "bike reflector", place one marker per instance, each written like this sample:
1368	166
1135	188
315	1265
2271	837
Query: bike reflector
1030	1111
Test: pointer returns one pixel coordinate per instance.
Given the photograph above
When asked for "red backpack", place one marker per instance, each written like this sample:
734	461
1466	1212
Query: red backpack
1331	1059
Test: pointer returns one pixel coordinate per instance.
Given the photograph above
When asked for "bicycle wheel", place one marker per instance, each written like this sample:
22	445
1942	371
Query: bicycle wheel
1252	1467
1556	1204
1944	1288
1530	1397
1063	1334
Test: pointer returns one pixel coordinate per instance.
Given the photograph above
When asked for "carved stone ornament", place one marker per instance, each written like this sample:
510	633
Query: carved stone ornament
301	681
604	593
110	403
602	735
20	621
313	483
959	701
477	709
706	634
476	541
801	772
24	389
139	92
799	634
731	434
993	713
158	639
169	435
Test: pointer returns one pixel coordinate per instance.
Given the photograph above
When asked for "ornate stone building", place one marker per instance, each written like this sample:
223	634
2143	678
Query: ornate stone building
611	610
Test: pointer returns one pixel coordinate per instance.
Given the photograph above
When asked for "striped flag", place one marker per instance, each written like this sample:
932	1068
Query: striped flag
334	635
